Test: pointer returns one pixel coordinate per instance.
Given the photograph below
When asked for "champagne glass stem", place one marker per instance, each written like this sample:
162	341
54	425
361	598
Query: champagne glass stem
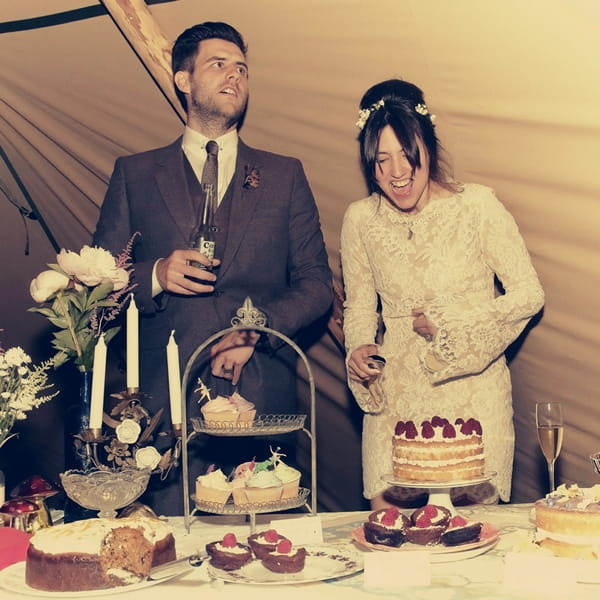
551	474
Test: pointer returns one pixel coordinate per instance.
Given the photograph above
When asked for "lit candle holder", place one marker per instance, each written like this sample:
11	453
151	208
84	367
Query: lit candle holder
98	378
174	380
133	326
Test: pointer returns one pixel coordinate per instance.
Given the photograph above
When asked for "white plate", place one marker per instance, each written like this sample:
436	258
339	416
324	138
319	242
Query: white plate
322	562
435	485
12	578
439	553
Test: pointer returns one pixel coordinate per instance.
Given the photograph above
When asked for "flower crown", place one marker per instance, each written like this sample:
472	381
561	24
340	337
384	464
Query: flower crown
364	113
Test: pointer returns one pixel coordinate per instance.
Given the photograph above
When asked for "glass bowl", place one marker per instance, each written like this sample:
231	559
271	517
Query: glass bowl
105	490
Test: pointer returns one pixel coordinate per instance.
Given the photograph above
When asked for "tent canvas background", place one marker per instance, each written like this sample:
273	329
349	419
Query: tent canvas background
516	90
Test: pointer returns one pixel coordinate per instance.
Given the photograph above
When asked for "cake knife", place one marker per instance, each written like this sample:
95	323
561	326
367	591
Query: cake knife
176	567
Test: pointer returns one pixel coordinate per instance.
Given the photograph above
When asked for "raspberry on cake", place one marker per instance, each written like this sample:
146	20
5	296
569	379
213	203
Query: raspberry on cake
386	526
428	523
264	542
438	450
285	559
227	554
568	522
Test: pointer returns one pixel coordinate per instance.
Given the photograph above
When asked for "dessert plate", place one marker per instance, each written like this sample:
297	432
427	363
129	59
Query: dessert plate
326	561
12	578
439	553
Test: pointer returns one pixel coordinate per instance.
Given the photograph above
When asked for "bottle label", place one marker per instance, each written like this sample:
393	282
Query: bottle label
207	247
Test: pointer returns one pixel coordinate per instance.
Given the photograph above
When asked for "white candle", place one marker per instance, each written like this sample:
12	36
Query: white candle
133	367
98	377
174	379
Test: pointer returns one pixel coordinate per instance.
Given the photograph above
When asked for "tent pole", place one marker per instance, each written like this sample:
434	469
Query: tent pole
141	30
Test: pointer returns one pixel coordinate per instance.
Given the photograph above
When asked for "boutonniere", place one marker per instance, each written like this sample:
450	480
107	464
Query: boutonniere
252	179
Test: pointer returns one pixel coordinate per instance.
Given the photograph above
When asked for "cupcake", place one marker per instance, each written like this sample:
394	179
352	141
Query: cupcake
285	558
386	526
227	554
427	524
264	542
263	486
238	484
290	478
461	531
246	410
220	410
213	487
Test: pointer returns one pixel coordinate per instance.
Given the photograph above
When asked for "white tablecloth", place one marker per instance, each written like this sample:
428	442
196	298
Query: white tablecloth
479	577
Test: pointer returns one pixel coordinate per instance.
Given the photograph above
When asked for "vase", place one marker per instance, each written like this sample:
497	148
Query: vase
77	454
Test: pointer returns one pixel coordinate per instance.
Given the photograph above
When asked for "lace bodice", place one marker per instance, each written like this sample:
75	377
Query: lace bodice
445	259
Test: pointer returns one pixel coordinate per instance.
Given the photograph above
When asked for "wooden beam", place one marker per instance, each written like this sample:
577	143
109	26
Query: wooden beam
143	33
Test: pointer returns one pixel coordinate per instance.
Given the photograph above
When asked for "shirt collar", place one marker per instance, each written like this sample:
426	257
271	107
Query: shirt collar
196	141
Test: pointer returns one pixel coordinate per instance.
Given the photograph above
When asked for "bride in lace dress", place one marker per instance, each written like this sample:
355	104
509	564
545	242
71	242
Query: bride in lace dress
422	257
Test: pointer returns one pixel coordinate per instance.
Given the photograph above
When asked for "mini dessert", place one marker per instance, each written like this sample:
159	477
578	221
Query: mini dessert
227	554
238	484
285	559
97	553
568	522
386	526
220	410
438	451
246	410
460	531
213	487
225	410
263	487
264	542
290	477
427	525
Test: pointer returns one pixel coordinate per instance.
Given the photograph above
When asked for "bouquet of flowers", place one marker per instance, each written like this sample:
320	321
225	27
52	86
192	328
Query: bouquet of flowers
87	290
21	383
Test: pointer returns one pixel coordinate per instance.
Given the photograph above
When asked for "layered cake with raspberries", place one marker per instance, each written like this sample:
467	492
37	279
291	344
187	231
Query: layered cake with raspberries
97	553
438	451
568	522
461	531
386	526
285	558
427	524
228	554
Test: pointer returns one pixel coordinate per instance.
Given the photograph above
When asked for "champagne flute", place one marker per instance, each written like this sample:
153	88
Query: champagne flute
549	423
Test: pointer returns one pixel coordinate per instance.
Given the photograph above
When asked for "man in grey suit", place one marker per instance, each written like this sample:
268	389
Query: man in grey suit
269	246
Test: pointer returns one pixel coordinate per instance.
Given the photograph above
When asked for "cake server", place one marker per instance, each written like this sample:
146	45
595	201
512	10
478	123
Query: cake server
176	567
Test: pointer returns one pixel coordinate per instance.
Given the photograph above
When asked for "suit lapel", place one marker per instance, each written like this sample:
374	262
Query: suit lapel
243	204
172	185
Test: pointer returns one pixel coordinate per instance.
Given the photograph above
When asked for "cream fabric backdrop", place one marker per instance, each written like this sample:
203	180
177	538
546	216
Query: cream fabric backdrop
516	89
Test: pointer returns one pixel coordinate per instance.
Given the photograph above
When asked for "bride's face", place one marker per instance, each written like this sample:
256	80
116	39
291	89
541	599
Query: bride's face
405	188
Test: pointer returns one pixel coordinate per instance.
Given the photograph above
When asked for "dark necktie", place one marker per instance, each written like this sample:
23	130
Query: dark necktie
210	171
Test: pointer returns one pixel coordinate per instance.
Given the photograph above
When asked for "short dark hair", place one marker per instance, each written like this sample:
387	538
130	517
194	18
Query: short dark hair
400	99
185	48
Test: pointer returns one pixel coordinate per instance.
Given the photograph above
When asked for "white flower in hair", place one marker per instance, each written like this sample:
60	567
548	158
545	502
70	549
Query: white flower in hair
364	113
423	110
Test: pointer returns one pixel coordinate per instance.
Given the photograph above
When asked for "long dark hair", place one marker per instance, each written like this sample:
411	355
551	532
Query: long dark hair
405	111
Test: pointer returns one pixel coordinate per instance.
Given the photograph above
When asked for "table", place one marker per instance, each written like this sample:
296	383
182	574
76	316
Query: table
480	577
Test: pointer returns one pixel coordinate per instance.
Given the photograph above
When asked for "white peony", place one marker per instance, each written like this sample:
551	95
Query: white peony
46	284
93	266
147	458
128	431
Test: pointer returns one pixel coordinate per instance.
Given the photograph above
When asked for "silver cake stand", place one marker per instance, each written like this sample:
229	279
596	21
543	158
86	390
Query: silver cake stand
439	493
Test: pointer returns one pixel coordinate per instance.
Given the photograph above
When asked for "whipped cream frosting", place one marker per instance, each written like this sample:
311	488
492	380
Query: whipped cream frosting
86	536
215	479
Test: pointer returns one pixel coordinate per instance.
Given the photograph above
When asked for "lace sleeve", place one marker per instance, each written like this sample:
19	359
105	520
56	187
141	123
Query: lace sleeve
360	305
470	337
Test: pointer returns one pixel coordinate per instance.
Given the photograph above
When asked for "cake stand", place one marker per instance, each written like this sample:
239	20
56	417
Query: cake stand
248	317
439	493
